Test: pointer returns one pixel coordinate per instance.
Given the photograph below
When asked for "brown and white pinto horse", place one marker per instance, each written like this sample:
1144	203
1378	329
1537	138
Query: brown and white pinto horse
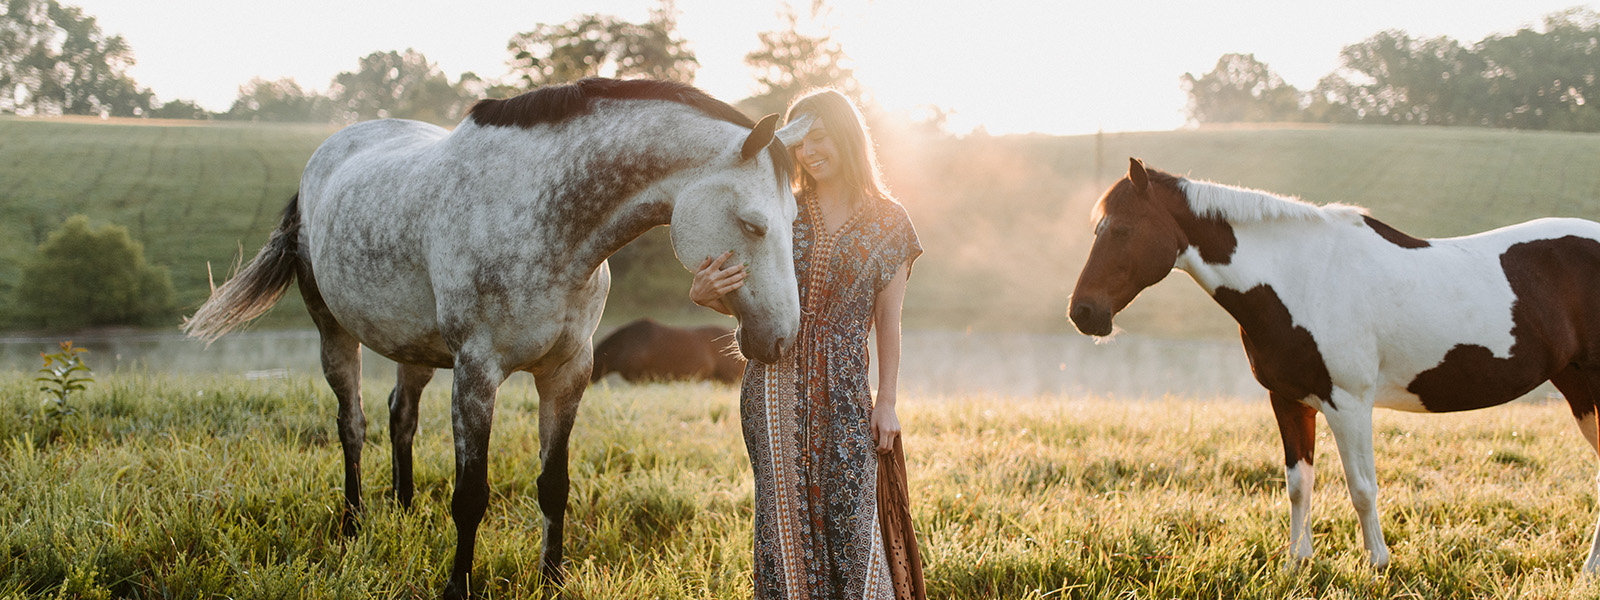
1340	313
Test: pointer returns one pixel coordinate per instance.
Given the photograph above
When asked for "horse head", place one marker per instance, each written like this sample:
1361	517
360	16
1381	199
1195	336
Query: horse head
1136	243
742	202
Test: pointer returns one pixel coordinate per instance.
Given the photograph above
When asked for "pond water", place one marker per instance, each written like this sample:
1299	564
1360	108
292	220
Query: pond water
934	363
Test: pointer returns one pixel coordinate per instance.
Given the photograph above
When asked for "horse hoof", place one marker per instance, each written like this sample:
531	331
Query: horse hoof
455	590
1296	564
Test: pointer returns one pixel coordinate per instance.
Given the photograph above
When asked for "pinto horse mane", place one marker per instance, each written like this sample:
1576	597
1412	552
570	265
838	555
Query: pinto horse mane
1244	205
557	103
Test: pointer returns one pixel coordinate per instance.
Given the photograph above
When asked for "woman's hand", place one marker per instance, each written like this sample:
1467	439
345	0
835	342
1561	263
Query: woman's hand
712	282
885	425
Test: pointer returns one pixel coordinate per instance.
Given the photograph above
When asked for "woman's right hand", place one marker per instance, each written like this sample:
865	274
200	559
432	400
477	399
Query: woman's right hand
712	282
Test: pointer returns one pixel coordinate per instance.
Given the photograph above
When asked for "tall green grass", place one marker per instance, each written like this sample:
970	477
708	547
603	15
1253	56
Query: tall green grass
214	487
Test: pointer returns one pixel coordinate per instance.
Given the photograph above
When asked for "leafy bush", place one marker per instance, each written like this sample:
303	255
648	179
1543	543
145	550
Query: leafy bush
85	277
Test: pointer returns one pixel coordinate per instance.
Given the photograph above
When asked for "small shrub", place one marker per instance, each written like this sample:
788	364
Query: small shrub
86	277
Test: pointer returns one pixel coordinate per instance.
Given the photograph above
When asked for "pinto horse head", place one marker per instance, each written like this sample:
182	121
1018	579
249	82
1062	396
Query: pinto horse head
1137	241
745	205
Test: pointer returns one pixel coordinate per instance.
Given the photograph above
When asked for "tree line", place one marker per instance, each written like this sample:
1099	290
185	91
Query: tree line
1525	80
55	60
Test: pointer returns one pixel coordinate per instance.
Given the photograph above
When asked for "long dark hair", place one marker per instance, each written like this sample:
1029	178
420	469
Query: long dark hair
849	130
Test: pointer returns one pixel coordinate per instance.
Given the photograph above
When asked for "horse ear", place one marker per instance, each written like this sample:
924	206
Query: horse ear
760	137
1137	174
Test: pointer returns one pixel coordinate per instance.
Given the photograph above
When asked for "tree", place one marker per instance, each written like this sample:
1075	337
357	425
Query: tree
1241	88
790	63
281	100
595	45
86	277
179	109
1546	80
1392	77
54	60
392	84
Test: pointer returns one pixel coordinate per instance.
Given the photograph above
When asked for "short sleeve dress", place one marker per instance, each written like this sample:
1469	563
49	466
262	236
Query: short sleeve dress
807	419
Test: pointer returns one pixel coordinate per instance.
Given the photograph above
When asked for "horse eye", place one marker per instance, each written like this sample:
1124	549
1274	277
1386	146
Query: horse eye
1121	231
752	228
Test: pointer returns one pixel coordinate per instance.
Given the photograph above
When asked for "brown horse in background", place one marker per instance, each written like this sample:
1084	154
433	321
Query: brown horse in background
645	350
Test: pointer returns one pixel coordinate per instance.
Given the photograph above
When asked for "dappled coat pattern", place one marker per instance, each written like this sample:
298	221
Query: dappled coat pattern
807	418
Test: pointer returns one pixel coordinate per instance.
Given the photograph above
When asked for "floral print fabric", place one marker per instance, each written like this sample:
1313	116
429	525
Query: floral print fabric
807	419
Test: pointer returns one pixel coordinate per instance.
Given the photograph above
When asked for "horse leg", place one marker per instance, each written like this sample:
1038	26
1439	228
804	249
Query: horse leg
1350	418
1580	387
477	380
409	381
1297	423
341	365
560	391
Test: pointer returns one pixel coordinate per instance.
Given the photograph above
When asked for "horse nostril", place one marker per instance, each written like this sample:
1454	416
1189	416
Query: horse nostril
777	348
1079	313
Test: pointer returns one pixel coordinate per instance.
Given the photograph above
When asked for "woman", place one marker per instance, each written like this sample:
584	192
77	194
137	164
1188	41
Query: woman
811	425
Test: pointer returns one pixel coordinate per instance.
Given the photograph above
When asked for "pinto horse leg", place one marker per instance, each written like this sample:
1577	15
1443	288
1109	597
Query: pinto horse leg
1297	424
1350	418
408	385
1580	387
560	391
477	380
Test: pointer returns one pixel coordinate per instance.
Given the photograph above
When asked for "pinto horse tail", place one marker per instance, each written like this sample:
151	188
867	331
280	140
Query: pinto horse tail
254	288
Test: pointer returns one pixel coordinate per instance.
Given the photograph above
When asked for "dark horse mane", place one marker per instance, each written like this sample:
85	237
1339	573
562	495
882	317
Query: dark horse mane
557	103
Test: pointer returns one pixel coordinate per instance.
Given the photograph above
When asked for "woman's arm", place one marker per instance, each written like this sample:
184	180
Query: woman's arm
712	282
886	319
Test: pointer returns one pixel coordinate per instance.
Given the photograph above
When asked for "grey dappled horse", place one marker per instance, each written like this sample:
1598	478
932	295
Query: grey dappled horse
483	250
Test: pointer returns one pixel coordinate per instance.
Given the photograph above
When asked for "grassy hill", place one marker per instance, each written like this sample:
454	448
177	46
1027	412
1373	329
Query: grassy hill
1003	219
192	194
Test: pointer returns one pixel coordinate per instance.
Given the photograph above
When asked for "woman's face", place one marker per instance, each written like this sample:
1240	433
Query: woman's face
818	155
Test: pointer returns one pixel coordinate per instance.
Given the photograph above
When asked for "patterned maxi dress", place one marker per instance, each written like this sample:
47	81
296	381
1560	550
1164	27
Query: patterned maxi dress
807	419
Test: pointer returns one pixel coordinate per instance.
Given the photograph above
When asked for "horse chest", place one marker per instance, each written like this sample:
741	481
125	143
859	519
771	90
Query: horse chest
1283	356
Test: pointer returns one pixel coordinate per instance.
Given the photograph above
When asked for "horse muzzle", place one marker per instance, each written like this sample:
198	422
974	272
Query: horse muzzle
1090	319
763	349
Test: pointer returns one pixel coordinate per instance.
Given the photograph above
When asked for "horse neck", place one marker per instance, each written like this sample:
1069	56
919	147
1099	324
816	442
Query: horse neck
605	177
1241	253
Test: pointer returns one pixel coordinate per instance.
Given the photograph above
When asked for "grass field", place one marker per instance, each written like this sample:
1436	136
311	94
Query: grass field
199	488
1004	220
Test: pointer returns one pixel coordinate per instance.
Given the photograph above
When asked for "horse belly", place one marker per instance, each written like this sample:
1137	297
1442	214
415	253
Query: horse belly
386	306
397	322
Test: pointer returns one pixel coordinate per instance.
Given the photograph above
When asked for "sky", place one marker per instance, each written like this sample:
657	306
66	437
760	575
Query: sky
1061	67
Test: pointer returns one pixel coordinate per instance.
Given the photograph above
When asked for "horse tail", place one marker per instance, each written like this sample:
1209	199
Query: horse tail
254	288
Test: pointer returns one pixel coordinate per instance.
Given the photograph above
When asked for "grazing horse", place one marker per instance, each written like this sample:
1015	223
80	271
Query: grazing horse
1340	313
645	350
483	250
